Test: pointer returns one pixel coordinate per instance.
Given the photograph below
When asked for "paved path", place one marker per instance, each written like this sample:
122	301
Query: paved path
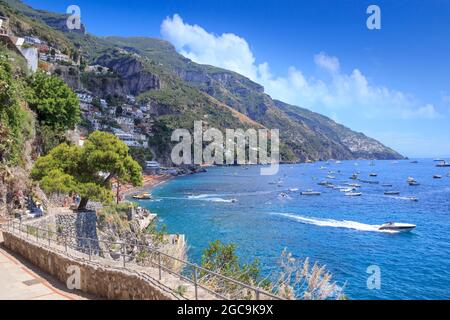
21	281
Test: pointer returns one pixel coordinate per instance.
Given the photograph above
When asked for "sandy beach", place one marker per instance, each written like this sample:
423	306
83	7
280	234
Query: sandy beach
149	182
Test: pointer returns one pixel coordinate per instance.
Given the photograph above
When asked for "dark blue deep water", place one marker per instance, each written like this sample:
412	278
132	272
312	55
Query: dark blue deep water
332	229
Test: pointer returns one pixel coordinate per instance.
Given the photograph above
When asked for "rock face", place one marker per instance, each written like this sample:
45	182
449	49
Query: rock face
131	79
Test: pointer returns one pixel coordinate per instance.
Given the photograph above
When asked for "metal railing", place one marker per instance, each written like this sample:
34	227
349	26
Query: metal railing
192	273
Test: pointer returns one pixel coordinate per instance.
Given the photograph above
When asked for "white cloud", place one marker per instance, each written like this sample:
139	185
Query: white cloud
338	92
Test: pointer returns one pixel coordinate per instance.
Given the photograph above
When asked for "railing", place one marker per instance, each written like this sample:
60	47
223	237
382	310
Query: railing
189	272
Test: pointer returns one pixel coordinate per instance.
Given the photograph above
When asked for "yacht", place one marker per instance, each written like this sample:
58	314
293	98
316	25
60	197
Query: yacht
353	194
443	164
392	193
142	196
396	226
310	193
354	176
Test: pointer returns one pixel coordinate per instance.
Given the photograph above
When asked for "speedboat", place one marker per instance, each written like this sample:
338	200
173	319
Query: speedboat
396	226
413	199
331	177
443	164
373	174
392	193
354	176
353	194
324	183
437	176
415	161
414	183
310	193
293	189
142	196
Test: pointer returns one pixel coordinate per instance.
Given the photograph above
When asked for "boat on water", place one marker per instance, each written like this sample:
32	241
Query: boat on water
353	194
283	195
413	199
331	177
392	193
293	189
415	161
386	185
354	176
142	196
437	176
370	181
324	183
373	174
397	226
310	192
414	183
443	164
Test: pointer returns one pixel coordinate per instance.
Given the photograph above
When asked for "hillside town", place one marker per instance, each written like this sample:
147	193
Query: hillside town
127	119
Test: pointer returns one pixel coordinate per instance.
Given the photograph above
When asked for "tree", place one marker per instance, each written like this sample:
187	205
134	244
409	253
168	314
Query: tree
87	170
54	102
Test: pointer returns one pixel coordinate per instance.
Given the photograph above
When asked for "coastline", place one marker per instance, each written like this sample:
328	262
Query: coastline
150	182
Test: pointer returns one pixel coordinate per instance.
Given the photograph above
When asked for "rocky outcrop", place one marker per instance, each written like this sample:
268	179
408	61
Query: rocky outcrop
129	77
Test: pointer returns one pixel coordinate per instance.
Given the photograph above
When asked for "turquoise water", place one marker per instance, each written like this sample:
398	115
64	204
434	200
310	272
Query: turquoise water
332	229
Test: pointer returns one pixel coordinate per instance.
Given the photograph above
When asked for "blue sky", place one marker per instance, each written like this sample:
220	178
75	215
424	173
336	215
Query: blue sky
392	84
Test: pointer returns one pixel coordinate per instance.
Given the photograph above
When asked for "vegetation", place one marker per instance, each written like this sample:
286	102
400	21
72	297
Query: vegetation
87	170
55	104
15	120
296	279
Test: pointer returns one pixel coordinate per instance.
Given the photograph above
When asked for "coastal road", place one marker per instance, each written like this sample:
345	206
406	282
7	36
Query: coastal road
19	280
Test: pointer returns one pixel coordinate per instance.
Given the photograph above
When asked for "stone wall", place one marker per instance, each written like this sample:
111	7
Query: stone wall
97	279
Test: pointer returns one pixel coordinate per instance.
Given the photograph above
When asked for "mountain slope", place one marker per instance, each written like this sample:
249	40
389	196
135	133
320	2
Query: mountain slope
181	91
309	135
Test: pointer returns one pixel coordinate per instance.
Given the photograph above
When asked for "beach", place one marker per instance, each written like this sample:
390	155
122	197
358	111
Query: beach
149	181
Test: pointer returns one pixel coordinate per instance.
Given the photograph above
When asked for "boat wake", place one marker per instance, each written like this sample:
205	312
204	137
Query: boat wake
334	223
210	198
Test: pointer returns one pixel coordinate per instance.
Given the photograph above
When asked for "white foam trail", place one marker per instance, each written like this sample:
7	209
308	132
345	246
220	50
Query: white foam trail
333	223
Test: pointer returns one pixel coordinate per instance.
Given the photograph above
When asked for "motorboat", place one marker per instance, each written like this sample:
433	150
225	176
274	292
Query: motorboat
354	185
373	174
283	195
437	176
331	177
396	226
293	189
353	194
392	193
324	183
354	176
413	199
415	161
443	164
310	193
412	181
142	196
370	181
386	185
346	189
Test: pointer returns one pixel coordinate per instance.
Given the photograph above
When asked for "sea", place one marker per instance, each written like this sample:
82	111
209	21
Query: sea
263	215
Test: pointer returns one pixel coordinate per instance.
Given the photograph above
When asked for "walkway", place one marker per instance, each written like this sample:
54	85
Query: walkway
21	281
